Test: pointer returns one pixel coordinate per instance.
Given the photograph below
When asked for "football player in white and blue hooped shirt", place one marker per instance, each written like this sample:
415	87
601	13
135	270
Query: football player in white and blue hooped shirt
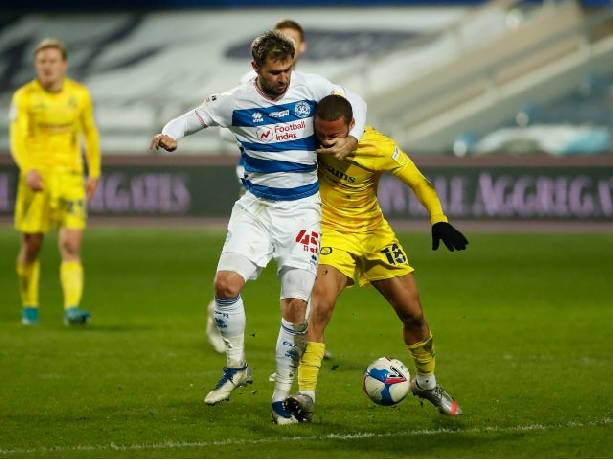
280	215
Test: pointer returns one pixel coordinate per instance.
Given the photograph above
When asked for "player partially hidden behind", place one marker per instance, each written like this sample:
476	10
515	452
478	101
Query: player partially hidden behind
295	33
48	117
357	242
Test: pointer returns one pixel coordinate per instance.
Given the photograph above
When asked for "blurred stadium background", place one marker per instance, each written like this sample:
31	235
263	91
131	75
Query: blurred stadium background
506	105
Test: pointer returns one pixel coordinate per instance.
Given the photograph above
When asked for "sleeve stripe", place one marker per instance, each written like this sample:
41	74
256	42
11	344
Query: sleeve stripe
204	125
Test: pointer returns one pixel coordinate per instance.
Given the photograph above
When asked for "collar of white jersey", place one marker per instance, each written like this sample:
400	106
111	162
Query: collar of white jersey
278	98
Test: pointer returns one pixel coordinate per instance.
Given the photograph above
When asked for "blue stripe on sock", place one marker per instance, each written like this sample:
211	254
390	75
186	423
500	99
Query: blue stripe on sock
292	330
226	302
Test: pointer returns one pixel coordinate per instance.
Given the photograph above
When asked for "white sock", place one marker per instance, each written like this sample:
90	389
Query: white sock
426	382
230	320
290	346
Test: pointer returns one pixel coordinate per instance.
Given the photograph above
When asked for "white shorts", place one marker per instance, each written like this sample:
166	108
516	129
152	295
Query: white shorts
287	231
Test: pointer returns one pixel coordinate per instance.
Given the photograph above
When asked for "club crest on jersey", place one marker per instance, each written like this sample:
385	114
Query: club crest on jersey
264	134
302	109
257	117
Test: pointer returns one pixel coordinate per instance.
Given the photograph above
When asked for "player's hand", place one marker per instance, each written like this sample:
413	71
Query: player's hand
90	188
453	238
34	180
162	140
339	147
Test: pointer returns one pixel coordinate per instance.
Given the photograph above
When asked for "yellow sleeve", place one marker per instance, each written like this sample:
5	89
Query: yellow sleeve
18	116
407	172
92	139
378	153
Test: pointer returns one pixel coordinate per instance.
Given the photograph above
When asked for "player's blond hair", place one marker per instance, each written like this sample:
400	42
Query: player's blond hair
51	43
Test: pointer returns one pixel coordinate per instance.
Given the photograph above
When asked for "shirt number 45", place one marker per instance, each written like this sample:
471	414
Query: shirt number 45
309	240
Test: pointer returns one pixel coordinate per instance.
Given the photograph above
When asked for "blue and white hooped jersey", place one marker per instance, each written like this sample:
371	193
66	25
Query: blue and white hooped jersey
276	138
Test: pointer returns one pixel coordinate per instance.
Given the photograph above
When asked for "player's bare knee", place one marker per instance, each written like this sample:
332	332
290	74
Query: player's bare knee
227	285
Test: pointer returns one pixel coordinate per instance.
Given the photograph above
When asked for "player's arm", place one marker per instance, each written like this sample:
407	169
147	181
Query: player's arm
341	147
210	113
407	172
18	128
92	145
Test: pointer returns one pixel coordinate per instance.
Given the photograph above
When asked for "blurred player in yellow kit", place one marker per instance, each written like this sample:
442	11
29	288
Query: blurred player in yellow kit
358	243
49	117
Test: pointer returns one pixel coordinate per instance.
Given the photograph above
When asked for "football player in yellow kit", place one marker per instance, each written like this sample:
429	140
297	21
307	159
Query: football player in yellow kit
358	243
49	116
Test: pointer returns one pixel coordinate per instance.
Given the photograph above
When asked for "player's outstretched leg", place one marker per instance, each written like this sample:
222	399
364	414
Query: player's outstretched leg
230	318
424	385
401	292
290	346
212	333
302	405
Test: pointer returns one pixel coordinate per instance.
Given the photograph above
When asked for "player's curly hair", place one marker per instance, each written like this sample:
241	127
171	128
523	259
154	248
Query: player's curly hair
271	45
334	106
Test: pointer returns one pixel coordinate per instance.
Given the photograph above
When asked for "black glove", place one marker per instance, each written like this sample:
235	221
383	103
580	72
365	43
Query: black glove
453	239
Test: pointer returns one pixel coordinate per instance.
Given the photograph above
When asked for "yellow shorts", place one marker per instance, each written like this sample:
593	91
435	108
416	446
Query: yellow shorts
365	256
60	205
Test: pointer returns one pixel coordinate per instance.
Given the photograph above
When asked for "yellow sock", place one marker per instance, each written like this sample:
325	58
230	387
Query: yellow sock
71	276
309	366
28	283
423	355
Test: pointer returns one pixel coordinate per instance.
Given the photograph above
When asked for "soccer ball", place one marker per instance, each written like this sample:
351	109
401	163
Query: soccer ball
386	381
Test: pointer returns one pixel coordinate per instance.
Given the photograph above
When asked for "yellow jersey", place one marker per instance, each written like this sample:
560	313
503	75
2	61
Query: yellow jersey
47	127
348	188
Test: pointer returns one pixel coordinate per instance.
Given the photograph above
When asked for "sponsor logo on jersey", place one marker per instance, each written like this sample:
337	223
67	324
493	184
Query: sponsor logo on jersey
257	117
302	109
340	175
287	131
281	132
211	98
264	134
280	114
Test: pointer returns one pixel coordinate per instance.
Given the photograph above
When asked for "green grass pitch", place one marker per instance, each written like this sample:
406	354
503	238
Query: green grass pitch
523	325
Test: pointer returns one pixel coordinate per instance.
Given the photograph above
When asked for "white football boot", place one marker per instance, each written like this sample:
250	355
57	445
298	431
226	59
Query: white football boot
232	378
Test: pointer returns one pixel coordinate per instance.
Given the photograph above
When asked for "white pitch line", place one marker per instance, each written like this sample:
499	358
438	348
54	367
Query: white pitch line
342	436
